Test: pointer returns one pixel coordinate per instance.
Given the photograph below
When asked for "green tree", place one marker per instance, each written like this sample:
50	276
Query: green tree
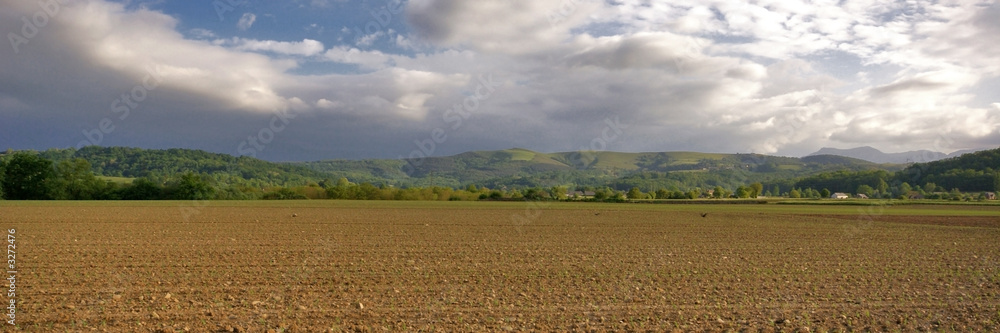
955	194
191	186
882	187
718	192
662	194
601	194
74	181
142	189
905	189
756	189
27	177
3	167
996	182
283	194
343	182
743	192
825	193
634	193
558	192
866	190
794	193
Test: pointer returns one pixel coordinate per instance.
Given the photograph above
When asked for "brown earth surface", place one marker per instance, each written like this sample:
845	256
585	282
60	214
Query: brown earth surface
503	267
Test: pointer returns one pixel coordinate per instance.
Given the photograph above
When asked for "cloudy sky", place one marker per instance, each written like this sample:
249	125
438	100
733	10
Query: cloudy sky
321	79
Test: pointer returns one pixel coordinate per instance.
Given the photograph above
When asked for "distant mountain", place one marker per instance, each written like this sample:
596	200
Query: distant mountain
525	168
876	156
511	168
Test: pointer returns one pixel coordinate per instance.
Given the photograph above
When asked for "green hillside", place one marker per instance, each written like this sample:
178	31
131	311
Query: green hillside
973	172
511	168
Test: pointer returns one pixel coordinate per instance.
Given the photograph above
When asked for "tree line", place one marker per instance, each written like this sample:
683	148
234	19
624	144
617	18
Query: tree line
31	176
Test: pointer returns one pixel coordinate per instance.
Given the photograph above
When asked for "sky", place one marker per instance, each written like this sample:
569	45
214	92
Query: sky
330	79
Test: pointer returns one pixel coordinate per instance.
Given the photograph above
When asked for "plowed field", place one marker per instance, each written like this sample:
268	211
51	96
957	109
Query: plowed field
384	266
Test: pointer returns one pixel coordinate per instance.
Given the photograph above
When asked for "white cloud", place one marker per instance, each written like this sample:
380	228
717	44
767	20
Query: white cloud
202	33
306	47
364	59
720	75
246	21
327	104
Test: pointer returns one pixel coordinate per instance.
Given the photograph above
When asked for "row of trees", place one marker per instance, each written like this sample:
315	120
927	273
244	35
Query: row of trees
26	176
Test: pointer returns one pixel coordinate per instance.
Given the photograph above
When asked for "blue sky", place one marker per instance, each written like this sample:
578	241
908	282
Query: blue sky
321	79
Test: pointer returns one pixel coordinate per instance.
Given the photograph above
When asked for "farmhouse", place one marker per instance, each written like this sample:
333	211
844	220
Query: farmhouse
991	196
862	196
839	195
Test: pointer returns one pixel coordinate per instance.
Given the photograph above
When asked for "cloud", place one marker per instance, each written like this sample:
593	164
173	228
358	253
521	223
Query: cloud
307	47
718	75
511	27
246	21
365	59
202	33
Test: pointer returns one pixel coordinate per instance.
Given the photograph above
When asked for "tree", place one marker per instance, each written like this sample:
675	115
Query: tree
74	181
743	192
825	193
27	177
343	182
284	194
191	186
3	166
930	188
883	187
558	192
905	189
635	193
662	194
795	194
756	189
866	190
996	182
718	192
142	189
534	194
955	194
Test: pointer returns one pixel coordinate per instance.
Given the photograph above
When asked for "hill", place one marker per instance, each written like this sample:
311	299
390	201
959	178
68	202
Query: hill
979	171
876	156
161	165
649	171
973	172
511	168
